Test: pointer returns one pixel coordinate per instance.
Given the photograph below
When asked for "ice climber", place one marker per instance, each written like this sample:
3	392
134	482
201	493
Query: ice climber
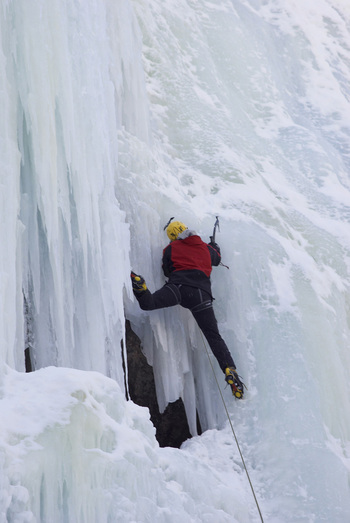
187	263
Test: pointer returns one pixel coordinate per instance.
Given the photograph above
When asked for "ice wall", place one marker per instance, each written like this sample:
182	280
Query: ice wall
68	242
251	102
118	115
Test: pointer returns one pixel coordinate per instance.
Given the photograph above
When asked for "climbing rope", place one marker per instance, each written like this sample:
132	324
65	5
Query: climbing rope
233	431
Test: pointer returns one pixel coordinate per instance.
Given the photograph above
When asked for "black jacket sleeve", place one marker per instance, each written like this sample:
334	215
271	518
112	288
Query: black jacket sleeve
214	251
166	261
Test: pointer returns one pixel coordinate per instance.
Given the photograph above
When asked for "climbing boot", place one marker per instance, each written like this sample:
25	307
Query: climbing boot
235	383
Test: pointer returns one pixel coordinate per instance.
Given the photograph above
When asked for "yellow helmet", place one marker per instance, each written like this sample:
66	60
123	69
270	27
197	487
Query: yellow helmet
174	229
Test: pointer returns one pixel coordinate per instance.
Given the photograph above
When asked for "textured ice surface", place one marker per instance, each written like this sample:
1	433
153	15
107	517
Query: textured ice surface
115	117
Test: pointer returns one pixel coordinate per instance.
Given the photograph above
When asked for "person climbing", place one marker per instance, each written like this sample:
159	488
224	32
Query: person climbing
187	263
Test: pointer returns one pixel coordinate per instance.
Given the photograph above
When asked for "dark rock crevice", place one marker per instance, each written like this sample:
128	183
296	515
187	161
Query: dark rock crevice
28	335
171	426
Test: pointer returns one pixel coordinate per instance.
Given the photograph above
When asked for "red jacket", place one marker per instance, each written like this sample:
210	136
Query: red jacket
189	261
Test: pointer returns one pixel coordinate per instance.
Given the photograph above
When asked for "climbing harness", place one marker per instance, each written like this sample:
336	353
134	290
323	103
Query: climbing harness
233	431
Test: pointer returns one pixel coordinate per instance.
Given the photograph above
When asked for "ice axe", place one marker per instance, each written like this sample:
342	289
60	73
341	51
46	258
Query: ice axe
216	226
171	219
212	238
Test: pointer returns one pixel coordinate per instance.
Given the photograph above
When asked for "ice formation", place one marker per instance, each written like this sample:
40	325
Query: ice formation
116	115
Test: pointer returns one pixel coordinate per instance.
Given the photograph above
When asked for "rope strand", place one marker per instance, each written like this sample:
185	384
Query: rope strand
233	431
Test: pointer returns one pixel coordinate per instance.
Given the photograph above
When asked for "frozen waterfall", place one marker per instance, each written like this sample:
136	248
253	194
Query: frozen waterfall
116	115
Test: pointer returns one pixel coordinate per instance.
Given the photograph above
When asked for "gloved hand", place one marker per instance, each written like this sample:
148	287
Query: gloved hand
215	246
138	283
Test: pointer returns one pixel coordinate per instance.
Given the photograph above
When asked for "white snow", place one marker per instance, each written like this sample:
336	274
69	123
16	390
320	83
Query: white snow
74	450
115	116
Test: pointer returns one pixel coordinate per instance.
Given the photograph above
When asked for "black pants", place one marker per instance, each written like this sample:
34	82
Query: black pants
199	302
